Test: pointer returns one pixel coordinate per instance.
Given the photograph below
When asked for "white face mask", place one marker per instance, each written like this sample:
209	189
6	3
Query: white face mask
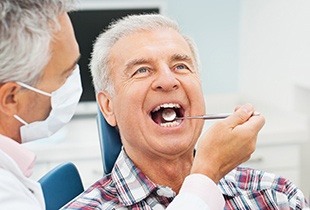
63	102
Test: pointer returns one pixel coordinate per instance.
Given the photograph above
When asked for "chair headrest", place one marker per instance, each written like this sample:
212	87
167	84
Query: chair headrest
61	185
110	143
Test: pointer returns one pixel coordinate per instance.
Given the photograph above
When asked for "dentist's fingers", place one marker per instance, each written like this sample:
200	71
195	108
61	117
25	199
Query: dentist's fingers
241	115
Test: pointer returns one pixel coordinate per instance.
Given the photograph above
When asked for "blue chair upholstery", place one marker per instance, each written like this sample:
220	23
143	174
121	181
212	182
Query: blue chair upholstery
110	143
61	185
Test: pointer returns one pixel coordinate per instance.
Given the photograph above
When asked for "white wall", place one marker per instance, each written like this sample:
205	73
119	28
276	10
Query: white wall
275	60
274	49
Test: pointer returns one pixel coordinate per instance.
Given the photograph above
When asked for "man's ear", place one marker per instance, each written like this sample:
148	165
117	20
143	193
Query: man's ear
9	98
106	107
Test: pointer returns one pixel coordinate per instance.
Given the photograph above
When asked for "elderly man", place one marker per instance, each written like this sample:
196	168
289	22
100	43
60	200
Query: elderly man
40	88
147	80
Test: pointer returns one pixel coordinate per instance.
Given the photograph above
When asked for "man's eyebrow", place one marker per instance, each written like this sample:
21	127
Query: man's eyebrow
176	57
182	57
135	62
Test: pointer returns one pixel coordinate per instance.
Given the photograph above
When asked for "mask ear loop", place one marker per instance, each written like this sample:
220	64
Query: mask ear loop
34	89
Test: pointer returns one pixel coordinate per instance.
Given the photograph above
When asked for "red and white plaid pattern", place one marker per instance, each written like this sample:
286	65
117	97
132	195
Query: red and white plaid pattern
243	189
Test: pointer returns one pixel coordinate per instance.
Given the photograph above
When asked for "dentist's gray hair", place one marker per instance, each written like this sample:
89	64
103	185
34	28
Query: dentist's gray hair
26	31
99	64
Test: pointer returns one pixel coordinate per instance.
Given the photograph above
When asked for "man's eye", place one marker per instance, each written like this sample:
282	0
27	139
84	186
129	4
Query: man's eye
142	70
181	67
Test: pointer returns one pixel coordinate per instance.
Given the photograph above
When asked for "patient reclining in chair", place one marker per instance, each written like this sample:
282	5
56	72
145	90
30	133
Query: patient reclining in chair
146	76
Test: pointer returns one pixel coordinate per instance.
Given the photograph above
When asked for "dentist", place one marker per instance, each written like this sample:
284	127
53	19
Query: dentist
39	89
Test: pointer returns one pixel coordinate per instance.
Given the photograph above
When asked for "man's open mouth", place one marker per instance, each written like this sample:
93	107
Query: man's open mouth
166	115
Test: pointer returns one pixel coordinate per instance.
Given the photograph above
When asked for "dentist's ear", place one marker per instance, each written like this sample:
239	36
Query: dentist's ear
9	98
106	107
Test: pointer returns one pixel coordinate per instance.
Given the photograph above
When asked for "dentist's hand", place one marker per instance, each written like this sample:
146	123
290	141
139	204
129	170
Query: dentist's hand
228	143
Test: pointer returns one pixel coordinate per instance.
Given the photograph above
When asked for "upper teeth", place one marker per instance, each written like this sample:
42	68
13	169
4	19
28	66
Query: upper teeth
166	105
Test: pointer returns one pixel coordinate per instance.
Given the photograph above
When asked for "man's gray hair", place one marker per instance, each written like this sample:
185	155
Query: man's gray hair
99	64
26	31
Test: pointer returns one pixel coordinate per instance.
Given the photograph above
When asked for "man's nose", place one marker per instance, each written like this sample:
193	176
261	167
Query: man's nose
166	80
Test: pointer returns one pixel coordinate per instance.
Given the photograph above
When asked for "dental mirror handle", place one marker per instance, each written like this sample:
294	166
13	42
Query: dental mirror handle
212	116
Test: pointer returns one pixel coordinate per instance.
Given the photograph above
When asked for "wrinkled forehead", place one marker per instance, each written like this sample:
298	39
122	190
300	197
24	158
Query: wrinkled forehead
143	44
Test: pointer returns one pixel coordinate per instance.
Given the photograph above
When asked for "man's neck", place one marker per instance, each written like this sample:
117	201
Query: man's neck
166	172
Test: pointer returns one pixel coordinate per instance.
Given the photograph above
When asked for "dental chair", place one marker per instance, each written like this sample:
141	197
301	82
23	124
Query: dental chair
61	185
110	143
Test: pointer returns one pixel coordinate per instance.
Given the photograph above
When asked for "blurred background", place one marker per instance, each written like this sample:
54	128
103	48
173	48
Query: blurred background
255	51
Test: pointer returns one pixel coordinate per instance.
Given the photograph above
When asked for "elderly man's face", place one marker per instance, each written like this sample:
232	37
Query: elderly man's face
153	71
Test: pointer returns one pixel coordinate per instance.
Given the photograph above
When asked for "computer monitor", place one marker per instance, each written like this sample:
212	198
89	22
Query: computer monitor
91	18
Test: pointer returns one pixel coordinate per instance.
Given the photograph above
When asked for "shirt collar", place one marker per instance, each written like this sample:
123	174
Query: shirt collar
132	185
24	158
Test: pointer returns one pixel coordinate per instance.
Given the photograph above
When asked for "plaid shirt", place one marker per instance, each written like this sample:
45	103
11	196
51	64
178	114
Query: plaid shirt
245	189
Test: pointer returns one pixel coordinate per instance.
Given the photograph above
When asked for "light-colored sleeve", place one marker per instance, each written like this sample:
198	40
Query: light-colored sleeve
198	192
13	195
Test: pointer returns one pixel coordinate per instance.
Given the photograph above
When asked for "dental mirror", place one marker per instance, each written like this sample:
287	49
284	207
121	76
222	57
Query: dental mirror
169	115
